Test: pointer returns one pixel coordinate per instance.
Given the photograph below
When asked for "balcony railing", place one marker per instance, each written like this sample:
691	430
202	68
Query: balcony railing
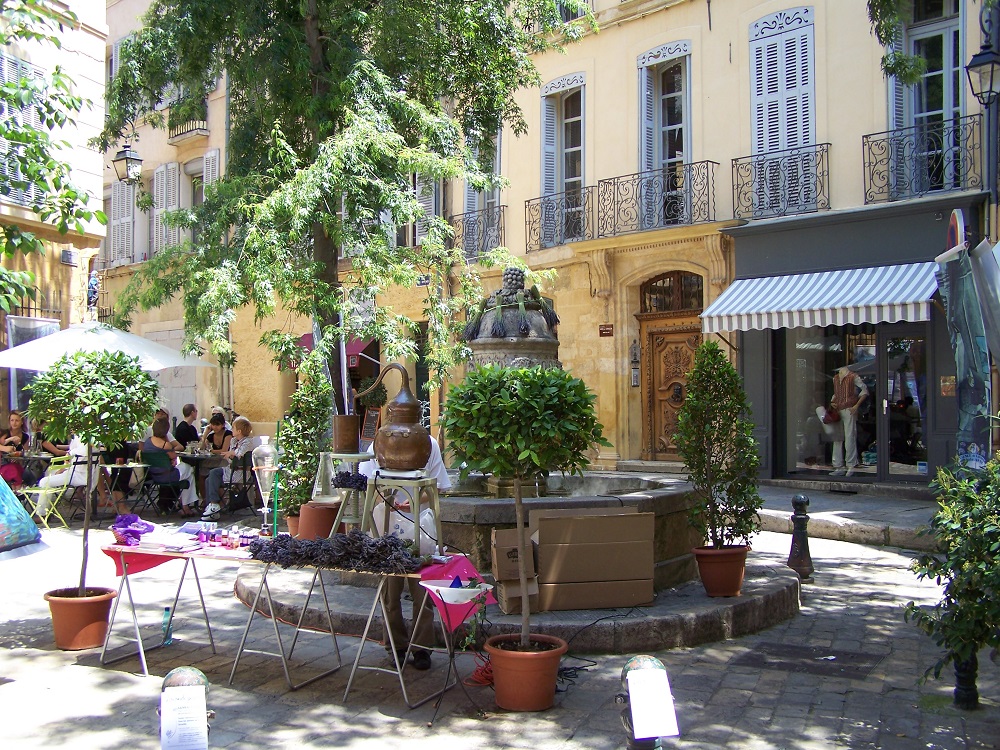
681	194
185	130
559	218
933	157
477	232
782	183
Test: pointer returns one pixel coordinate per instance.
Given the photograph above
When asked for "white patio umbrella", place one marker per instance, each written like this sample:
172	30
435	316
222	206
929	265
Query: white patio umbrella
42	353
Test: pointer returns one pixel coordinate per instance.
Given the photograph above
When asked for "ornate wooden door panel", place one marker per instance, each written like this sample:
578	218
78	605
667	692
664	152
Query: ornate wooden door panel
669	356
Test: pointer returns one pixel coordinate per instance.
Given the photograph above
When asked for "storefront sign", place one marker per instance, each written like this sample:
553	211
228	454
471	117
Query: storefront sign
606	329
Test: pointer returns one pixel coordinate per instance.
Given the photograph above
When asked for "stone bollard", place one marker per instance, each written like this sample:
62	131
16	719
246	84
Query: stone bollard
798	558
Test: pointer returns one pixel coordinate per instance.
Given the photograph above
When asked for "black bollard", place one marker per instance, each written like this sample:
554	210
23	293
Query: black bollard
966	692
798	558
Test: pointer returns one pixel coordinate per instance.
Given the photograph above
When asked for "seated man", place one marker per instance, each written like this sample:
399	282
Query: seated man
220	475
185	432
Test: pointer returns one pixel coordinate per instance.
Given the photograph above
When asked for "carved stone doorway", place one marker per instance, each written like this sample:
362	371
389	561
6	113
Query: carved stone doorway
670	331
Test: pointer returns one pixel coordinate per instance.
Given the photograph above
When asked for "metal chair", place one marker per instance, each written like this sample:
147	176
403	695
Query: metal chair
33	495
163	497
241	476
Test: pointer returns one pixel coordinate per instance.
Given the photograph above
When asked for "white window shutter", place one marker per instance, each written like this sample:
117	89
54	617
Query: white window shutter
427	193
126	249
549	142
159	205
173	200
114	236
647	119
116	50
210	171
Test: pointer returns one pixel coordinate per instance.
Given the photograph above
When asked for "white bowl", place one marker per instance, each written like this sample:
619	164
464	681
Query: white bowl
451	595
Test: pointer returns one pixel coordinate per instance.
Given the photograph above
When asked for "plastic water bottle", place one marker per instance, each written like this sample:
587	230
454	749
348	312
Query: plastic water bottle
168	627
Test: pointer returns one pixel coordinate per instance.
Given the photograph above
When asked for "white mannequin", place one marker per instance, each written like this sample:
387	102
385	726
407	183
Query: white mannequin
849	392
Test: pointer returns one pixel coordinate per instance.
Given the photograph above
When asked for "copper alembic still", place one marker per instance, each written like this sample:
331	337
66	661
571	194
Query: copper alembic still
402	443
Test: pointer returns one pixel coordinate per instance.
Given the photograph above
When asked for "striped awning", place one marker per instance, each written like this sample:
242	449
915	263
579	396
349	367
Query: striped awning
880	294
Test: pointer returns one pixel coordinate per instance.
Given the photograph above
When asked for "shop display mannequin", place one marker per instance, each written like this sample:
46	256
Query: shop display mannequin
849	392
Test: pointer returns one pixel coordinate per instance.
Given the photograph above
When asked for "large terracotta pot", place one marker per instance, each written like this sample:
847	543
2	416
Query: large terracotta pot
316	521
721	570
525	680
80	622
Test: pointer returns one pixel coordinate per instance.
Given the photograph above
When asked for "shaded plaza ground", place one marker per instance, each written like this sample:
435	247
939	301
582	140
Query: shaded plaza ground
773	689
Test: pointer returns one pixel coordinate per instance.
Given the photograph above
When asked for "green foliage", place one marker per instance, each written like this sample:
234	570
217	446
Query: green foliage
333	106
31	166
374	400
521	422
967	562
715	439
104	398
304	433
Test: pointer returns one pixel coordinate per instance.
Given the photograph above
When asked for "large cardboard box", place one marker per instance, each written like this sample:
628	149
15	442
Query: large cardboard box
594	595
504	552
602	561
570	525
509	596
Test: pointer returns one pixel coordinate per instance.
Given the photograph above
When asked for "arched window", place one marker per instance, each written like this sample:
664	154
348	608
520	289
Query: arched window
675	291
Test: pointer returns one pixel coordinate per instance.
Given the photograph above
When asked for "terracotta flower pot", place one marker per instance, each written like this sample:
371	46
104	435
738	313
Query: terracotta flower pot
80	622
315	521
525	680
721	570
293	525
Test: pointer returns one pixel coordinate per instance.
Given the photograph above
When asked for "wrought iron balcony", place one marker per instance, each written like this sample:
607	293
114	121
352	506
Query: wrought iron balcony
185	130
782	183
477	232
559	218
681	194
933	157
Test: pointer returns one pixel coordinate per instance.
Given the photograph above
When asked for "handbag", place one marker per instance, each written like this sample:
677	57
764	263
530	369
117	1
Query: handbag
832	416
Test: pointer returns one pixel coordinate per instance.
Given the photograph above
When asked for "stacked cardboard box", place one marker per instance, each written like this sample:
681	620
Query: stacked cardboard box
508	589
592	558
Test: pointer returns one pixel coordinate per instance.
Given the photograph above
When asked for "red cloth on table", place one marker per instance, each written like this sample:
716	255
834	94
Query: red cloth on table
137	562
453	615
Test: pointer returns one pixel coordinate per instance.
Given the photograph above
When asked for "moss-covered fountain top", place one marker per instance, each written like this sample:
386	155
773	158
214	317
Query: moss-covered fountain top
514	327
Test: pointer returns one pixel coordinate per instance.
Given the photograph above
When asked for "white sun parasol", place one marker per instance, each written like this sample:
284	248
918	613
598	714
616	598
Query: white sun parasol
42	353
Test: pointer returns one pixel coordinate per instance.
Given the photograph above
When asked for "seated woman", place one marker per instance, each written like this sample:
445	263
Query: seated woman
217	477
13	441
158	442
217	438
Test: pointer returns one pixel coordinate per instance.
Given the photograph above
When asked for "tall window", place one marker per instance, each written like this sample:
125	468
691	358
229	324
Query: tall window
562	165
663	135
783	112
481	230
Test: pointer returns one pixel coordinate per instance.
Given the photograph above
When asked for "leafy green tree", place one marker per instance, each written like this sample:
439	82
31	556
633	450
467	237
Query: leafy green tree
522	423
104	398
29	163
333	105
715	439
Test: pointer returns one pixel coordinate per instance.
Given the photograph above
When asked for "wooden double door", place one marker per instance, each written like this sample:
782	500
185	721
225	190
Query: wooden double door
668	348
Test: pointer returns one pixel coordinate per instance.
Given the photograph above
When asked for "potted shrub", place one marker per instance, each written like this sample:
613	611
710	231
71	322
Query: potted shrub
715	438
522	423
303	434
105	399
967	562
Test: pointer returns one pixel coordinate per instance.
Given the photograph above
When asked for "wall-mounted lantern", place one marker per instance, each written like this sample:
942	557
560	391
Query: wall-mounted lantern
633	353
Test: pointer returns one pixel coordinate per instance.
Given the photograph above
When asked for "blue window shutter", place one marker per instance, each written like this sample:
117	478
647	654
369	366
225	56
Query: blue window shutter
549	142
647	119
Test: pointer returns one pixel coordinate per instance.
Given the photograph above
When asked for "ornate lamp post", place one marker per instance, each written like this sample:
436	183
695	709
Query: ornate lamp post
127	164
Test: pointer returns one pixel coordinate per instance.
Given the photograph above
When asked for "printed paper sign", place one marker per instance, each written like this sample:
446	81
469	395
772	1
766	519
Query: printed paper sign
652	704
183	723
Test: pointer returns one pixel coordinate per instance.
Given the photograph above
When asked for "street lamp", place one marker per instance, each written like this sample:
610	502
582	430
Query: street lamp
984	73
127	164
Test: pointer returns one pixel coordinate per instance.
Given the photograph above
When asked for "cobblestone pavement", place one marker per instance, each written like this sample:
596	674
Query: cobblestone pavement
775	689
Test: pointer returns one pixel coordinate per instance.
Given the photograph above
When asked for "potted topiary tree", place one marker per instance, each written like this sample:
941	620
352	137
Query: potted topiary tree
104	399
522	423
715	438
967	561
303	435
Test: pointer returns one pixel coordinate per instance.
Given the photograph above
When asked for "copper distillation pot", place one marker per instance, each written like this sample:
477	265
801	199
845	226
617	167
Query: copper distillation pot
402	444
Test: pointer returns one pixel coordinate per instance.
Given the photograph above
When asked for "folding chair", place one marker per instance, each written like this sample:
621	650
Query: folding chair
162	496
241	476
34	495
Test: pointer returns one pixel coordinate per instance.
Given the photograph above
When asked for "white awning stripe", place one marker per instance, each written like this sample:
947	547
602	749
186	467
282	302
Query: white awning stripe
879	294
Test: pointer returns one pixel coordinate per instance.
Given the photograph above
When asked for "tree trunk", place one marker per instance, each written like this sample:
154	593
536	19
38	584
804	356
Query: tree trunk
523	549
86	523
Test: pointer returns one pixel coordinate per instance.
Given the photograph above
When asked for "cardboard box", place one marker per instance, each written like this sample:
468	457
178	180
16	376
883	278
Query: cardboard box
534	516
594	595
504	553
602	561
592	526
509	596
